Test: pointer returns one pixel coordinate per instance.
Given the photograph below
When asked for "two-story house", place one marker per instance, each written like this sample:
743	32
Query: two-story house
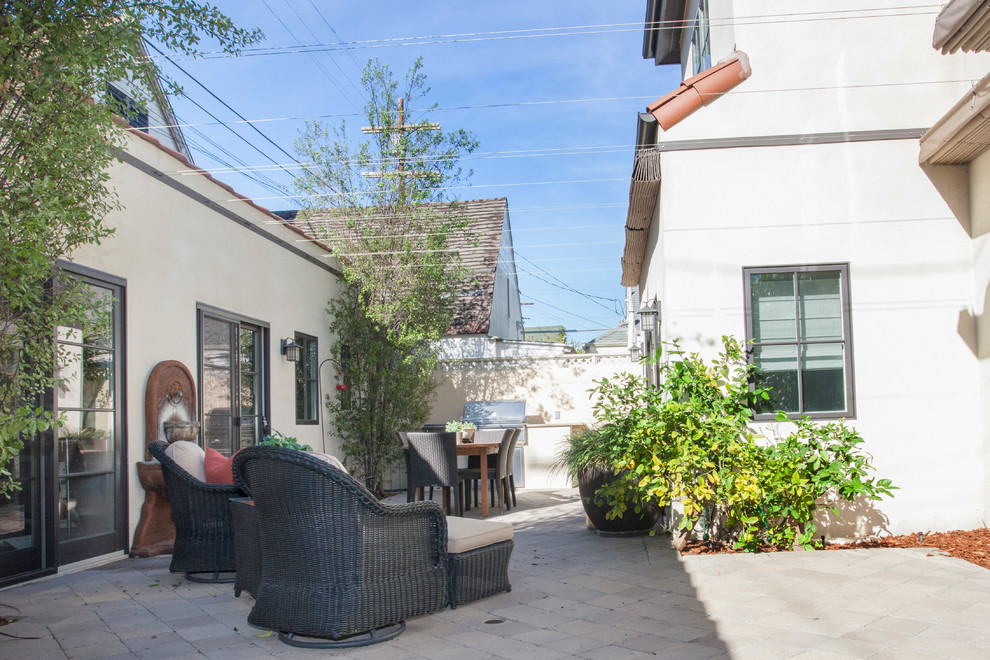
777	196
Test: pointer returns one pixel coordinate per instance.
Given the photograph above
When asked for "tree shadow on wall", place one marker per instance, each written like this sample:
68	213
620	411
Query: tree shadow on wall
857	519
541	383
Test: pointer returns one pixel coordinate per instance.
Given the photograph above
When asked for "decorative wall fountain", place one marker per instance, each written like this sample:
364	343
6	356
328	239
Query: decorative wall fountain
170	415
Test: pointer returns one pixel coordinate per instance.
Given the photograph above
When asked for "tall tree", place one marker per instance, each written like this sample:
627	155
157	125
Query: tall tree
382	203
56	58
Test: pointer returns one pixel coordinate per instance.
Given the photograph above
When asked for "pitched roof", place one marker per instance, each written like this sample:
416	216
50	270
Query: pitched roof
478	244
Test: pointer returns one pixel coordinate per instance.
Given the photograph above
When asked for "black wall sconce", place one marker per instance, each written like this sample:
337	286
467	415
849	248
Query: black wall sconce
291	350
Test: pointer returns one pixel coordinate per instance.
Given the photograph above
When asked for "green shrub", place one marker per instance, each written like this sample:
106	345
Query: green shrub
690	439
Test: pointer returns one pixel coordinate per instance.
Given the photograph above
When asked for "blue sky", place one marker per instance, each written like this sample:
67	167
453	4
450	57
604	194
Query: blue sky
556	136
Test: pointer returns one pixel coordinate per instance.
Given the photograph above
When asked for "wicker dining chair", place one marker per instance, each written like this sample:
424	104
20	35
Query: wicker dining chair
336	563
433	462
204	539
495	475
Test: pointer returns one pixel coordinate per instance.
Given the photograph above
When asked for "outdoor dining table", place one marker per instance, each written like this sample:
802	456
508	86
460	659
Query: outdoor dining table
480	449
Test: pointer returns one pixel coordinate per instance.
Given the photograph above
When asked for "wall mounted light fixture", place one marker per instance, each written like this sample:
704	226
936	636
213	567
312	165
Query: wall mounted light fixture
291	350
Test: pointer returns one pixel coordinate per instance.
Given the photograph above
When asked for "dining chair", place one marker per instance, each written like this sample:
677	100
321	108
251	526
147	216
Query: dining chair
433	462
510	463
494	474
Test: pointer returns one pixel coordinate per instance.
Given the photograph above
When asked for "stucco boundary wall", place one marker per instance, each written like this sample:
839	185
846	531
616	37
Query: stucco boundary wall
556	390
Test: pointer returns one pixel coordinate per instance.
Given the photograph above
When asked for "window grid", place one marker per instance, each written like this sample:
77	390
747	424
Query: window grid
307	386
803	340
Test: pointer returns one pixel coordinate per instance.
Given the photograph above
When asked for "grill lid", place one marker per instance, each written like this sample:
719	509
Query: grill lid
495	413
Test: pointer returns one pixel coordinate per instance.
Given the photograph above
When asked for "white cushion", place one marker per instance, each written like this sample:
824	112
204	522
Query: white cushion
465	534
189	456
327	458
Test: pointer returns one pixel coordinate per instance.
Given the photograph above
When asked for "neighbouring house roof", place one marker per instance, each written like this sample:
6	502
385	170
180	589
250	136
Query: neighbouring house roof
617	336
962	25
478	244
963	133
664	29
541	332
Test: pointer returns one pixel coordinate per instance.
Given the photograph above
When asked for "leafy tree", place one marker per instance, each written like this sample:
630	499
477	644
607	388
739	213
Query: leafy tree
381	203
56	57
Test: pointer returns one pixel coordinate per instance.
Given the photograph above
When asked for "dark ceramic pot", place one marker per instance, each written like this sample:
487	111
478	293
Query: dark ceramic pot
631	523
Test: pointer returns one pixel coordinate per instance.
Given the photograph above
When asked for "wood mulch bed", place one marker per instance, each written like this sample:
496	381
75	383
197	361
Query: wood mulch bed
972	545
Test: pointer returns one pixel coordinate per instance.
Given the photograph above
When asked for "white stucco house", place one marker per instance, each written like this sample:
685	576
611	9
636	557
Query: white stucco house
777	196
195	274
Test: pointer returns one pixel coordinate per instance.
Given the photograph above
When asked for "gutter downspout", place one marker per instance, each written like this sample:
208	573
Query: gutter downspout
700	90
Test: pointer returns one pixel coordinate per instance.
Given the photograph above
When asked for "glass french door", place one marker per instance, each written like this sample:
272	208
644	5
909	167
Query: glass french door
233	381
89	481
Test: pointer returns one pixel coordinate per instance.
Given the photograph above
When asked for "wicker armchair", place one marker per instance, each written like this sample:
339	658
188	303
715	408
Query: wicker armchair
204	540
336	563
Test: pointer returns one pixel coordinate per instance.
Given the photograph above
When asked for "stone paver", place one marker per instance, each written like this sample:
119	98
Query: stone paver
574	595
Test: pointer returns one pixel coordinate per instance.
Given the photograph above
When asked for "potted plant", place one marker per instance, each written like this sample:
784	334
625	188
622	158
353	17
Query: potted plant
464	430
588	458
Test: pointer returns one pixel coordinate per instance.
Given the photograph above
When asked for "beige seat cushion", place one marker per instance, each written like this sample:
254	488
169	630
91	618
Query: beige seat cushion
465	534
189	456
327	458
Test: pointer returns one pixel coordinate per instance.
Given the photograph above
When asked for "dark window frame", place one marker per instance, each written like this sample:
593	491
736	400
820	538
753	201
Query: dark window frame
263	370
312	379
847	339
135	114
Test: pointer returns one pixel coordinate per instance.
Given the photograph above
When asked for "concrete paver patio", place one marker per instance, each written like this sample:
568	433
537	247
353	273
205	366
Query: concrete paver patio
574	594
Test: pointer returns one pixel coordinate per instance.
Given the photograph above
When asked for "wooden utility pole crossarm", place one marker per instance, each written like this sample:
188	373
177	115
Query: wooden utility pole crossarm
401	127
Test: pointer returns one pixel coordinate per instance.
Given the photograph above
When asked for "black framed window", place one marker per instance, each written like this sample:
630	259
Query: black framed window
233	380
797	320
307	373
135	114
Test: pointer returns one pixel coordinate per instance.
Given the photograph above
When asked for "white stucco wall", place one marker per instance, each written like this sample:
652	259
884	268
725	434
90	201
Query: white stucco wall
174	253
556	392
917	298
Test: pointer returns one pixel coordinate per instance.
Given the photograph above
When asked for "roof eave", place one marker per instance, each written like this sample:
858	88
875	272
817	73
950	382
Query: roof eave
963	133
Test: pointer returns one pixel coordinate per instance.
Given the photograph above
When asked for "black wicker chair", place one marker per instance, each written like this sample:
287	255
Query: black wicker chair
433	462
204	539
336	563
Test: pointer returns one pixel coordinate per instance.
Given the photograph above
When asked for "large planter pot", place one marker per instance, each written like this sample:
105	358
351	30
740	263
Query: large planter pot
631	523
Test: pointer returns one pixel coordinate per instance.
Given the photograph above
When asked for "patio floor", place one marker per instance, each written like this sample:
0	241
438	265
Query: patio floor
574	594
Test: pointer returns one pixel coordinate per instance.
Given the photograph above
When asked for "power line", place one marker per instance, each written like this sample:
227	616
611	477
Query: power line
339	41
516	104
310	53
585	30
464	187
577	316
568	287
222	102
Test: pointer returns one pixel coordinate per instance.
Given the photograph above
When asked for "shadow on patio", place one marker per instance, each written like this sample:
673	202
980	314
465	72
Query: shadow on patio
573	594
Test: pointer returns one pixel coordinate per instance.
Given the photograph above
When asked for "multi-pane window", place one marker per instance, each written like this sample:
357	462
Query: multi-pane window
233	381
307	372
701	49
797	319
125	106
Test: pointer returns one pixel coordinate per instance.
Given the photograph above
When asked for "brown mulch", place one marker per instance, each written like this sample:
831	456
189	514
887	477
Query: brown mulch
972	545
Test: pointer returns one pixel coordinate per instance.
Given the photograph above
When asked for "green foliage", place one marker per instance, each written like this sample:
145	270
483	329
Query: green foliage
690	439
55	148
277	439
390	233
456	427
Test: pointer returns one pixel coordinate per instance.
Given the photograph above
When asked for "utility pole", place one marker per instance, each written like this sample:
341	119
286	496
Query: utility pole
401	127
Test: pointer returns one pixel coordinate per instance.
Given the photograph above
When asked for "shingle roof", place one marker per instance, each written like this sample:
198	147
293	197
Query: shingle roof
478	244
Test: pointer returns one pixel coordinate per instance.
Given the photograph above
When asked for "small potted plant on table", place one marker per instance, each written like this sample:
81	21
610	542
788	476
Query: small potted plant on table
464	430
